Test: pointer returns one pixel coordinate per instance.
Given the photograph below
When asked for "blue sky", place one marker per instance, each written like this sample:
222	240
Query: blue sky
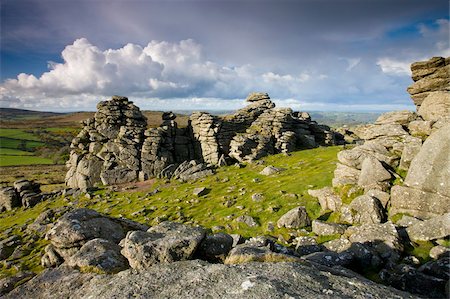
348	55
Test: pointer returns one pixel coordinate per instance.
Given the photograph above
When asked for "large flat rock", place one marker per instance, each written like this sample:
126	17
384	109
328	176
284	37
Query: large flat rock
198	279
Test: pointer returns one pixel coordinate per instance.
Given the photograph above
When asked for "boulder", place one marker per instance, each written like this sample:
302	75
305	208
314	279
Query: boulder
426	190
373	175
199	279
246	253
368	210
384	238
305	245
382	196
9	199
345	175
328	200
368	132
421	128
329	259
75	228
164	243
434	228
417	203
270	170
99	254
248	220
435	106
396	117
295	218
215	248
405	277
322	228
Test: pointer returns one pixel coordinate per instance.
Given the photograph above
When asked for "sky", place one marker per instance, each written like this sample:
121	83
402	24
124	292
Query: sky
328	55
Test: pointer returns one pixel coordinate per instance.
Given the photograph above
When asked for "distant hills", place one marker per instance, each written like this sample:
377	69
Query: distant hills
20	118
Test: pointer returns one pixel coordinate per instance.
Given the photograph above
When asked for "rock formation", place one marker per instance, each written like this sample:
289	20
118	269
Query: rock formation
23	193
115	147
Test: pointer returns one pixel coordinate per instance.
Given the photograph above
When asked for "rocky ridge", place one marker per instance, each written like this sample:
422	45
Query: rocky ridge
115	147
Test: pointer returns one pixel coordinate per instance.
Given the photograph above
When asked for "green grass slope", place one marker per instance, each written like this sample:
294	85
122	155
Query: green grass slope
229	196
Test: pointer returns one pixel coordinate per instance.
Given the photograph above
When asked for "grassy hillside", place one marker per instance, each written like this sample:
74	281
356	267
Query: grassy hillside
230	196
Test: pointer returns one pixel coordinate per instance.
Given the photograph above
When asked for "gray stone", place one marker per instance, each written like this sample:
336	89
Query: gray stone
199	279
246	253
345	175
248	220
383	237
368	210
439	251
99	254
410	150
200	191
434	228
215	248
51	258
417	203
435	106
421	128
368	132
373	175
407	221
430	169
8	199
322	228
396	117
295	218
271	170
338	245
328	200
329	259
382	196
75	228
164	243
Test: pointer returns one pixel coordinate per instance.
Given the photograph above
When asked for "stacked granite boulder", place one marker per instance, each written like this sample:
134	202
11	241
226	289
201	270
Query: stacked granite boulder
401	175
108	148
115	147
23	193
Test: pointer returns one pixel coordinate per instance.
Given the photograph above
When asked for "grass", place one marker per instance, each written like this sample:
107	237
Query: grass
175	200
18	134
10	160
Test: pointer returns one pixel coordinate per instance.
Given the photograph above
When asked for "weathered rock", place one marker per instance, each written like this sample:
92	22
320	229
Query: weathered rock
430	169
198	279
9	199
439	268
406	277
345	175
215	248
417	203
246	253
407	221
420	128
164	243
246	219
305	245
427	185
368	132
200	191
434	228
396	117
382	196
410	150
429	77
99	254
435	106
368	210
439	251
75	228
8	283
338	245
384	238
295	218
257	96
270	170
373	175
328	200
322	228
329	259
51	258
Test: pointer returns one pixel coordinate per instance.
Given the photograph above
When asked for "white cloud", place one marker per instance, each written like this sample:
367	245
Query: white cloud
394	67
